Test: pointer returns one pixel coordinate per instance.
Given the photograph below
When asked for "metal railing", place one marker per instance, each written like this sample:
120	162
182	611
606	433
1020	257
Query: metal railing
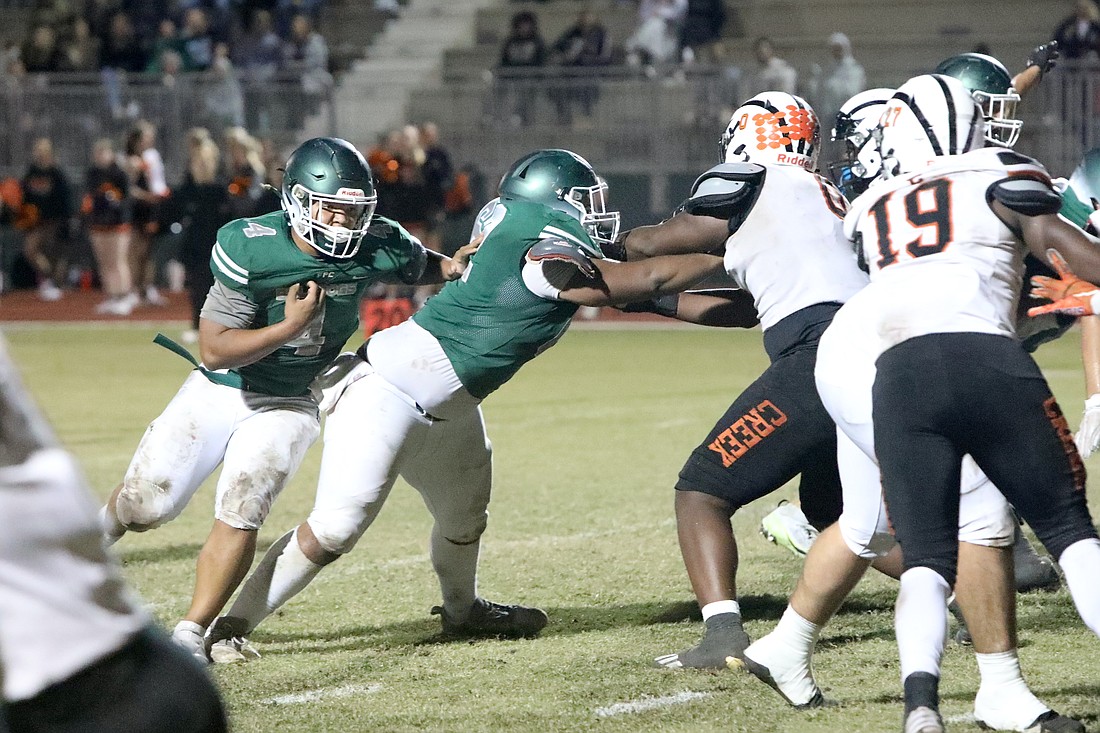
1062	120
74	110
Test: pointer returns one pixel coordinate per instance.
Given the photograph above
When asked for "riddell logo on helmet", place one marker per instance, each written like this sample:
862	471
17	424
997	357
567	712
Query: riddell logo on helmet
350	192
799	160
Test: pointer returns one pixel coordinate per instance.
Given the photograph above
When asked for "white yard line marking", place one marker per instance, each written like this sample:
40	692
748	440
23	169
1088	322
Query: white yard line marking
298	698
649	703
964	718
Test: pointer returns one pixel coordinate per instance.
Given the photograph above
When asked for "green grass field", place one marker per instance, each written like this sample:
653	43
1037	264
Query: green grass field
588	441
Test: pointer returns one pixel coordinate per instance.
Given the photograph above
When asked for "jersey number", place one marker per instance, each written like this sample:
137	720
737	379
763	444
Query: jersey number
311	340
930	214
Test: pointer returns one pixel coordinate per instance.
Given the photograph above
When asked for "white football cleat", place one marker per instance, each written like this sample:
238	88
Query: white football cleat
188	635
227	642
788	527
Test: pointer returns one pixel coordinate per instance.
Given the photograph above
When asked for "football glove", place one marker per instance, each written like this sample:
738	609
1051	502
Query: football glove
1044	56
1068	293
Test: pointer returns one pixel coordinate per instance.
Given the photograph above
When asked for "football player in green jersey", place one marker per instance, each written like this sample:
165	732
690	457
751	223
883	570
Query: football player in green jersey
284	302
410	403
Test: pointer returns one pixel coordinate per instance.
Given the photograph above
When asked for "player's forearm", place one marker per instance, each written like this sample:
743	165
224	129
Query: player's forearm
650	278
229	348
730	309
439	269
683	233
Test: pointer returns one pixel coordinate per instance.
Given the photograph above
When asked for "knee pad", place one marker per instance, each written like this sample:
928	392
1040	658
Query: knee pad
244	507
866	543
335	533
142	505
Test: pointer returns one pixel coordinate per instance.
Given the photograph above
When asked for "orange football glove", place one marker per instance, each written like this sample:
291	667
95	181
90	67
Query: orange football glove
1069	294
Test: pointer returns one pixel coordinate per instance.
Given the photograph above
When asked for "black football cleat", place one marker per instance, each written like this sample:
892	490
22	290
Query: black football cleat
488	619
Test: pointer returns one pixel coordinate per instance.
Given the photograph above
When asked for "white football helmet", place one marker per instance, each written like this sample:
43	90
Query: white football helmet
860	163
930	115
772	128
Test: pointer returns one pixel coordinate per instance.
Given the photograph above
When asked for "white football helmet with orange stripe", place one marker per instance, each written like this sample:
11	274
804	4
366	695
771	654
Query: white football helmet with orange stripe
772	128
929	116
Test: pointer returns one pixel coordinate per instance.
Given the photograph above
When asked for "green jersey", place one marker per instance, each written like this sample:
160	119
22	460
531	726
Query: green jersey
489	323
257	258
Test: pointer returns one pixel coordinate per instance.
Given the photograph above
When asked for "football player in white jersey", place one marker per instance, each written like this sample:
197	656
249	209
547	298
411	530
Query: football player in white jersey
945	234
845	374
798	270
77	653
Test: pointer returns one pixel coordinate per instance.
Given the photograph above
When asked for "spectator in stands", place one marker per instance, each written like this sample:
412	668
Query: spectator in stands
1078	35
119	52
772	72
167	39
842	79
200	205
40	51
439	176
149	188
244	169
287	10
305	54
107	209
523	49
256	55
581	47
79	49
47	206
702	26
223	98
120	47
657	37
197	40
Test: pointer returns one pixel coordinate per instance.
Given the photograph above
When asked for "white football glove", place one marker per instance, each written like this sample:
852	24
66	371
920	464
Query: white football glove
1088	435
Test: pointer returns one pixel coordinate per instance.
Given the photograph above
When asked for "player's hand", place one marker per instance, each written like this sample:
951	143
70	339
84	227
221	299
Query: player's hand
302	304
1044	56
1062	286
1088	435
453	269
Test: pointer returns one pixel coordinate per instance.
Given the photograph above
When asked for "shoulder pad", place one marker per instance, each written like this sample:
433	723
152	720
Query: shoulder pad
1025	195
726	191
561	261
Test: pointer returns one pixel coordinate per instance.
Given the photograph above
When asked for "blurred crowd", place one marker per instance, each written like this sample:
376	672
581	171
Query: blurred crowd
123	227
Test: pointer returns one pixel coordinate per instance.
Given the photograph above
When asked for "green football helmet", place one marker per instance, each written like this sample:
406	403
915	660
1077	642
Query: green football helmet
1081	199
991	86
327	172
566	182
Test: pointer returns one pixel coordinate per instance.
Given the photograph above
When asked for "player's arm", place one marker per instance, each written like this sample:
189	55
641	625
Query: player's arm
615	283
225	346
730	308
720	201
682	234
1042	59
439	268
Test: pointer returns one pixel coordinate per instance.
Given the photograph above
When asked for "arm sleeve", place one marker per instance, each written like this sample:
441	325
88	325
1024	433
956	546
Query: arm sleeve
230	308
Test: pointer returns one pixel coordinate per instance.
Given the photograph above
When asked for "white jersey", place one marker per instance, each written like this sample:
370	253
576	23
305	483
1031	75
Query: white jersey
940	259
790	252
63	603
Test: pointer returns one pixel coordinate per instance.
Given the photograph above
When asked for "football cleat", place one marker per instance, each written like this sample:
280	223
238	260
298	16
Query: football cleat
188	636
725	640
1033	571
227	643
1048	722
793	679
787	527
488	619
923	720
